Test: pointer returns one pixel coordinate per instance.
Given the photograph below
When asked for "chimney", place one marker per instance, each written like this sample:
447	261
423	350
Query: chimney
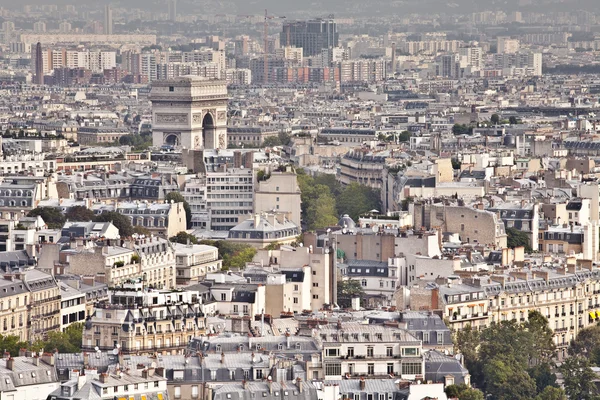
36	361
144	374
48	358
244	384
6	355
362	383
22	352
299	384
160	371
103	377
222	358
270	384
86	360
10	363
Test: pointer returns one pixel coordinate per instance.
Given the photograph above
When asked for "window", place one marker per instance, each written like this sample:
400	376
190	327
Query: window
389	351
363	283
295	300
440	337
350	351
171	88
223	297
332	352
370	369
259	374
333	369
425	337
194	391
390	368
177	392
369	351
411	368
410	351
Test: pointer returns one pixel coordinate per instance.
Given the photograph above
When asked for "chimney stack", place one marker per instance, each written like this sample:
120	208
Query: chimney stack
36	361
222	358
362	383
103	377
299	384
270	384
10	363
86	360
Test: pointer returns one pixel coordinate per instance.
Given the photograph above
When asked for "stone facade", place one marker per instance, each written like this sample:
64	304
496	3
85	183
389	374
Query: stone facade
190	112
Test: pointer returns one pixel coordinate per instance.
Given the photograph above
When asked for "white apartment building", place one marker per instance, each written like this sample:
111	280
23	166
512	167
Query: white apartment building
506	45
194	261
220	200
353	349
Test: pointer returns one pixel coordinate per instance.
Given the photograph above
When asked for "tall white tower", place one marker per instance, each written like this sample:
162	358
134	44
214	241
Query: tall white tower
108	20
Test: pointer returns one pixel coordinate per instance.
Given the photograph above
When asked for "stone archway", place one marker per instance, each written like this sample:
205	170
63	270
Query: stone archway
172	139
209	131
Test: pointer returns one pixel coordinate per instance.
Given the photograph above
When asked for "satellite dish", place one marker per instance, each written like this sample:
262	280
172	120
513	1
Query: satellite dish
118	345
115	352
96	348
374	228
344	231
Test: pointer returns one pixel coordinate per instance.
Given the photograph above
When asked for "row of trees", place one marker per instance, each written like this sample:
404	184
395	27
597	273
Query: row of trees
234	255
68	341
324	200
511	360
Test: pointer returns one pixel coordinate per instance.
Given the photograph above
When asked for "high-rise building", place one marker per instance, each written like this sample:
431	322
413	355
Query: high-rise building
172	10
65	27
8	29
506	45
39	27
108	20
312	36
39	65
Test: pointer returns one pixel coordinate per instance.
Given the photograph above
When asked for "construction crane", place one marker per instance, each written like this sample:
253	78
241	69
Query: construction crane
266	45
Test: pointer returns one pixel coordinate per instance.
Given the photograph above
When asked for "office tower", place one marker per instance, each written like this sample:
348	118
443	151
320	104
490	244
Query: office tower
172	10
39	27
108	20
312	36
39	65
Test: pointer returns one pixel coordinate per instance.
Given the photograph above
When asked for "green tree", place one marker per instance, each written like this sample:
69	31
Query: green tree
140	230
68	341
587	344
461	129
551	393
543	376
53	217
177	197
495	118
455	163
12	344
122	223
234	255
471	394
183	238
506	380
79	213
517	238
404	136
357	199
543	343
347	290
467	341
513	120
321	212
579	379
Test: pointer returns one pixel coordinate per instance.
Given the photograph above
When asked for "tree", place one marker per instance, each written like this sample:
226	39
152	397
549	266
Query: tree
495	118
517	238
543	345
234	255
68	341
551	393
461	129
321	212
53	217
140	230
183	238
404	136
455	163
357	199
176	197
471	394
12	344
453	391
506	380
80	214
513	120
122	223
587	344
347	290
579	379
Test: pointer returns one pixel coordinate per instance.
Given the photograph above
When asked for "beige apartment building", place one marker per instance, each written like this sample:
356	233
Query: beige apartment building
568	297
279	193
146	322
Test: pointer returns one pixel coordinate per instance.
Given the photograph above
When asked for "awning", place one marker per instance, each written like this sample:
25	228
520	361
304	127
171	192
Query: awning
592	314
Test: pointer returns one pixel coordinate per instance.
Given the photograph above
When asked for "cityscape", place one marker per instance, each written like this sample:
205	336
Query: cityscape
334	200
